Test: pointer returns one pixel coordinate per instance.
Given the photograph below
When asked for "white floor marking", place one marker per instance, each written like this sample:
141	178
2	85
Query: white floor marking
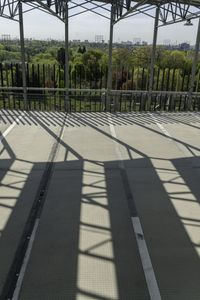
137	228
162	128
6	132
25	262
146	260
179	145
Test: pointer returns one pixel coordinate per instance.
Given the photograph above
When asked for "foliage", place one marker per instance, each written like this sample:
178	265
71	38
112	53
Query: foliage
140	57
88	66
44	58
61	57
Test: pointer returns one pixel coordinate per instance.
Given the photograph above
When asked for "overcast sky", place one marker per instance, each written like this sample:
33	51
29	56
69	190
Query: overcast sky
42	26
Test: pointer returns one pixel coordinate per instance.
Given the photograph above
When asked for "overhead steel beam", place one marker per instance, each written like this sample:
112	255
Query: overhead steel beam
143	11
46	7
86	9
132	9
23	59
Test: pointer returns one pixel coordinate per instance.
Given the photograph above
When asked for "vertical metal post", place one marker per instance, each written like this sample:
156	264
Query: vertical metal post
153	52
66	57
21	30
109	80
194	67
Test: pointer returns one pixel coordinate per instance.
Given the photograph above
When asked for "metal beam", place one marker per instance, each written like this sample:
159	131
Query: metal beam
132	9
109	80
89	10
194	67
21	29
66	56
46	7
153	52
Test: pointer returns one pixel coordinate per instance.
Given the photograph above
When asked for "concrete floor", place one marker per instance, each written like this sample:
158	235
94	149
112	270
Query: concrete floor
85	247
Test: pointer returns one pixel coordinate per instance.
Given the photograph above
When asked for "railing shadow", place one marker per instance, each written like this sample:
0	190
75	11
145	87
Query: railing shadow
85	236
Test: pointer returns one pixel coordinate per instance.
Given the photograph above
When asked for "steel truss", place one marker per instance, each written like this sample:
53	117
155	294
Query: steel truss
170	12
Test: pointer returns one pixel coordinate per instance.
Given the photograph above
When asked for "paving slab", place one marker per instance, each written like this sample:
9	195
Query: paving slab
85	236
24	153
85	247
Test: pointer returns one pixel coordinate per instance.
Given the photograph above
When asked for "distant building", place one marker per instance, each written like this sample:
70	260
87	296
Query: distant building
5	37
184	46
99	38
76	41
137	41
127	43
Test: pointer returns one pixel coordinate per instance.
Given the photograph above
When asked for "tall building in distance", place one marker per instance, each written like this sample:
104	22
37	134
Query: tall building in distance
5	37
99	38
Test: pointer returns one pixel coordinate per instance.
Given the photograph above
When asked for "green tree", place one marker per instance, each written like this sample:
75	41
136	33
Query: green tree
61	57
44	58
141	57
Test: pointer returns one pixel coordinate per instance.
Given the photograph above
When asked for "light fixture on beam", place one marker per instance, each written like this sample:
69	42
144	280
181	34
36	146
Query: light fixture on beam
188	23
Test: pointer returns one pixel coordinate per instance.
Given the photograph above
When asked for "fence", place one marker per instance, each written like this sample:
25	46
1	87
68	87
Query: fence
87	100
88	89
52	76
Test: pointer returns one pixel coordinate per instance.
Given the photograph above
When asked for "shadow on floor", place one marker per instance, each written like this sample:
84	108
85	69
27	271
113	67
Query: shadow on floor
85	247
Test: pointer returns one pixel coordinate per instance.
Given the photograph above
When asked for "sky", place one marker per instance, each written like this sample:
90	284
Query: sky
39	25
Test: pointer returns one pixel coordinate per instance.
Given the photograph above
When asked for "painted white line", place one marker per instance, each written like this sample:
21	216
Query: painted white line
8	130
179	145
162	128
25	262
150	277
146	260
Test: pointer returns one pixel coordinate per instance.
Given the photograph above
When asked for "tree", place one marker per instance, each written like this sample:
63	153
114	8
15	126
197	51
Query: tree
141	57
81	49
44	58
172	59
61	57
121	58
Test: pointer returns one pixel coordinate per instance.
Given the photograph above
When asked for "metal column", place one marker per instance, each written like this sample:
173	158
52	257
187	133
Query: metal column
194	67
21	29
66	57
109	80
153	52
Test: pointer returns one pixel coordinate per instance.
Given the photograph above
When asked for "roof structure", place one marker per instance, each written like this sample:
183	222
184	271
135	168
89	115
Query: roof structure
169	12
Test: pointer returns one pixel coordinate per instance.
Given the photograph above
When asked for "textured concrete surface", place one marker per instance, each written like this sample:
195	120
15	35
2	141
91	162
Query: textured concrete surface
85	246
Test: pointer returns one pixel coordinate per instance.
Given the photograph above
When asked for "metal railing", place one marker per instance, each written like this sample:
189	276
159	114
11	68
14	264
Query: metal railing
95	77
93	100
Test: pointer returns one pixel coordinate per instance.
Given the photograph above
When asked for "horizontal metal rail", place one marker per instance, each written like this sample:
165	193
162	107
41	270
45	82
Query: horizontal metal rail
95	99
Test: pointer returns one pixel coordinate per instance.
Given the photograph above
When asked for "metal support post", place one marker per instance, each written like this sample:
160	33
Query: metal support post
66	57
194	67
109	80
21	30
153	52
